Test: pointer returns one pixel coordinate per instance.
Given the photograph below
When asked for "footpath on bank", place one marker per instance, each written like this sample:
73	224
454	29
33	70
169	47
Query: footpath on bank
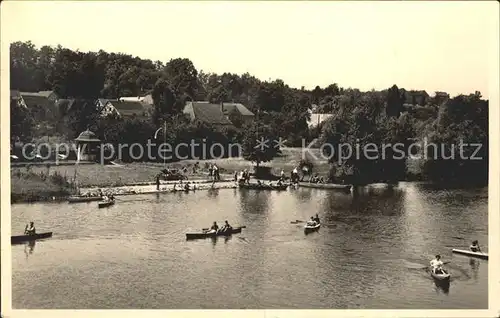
165	186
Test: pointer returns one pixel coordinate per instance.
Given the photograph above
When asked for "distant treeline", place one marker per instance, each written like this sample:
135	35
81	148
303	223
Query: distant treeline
358	118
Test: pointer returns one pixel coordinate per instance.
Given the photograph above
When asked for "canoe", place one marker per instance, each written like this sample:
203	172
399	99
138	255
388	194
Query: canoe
442	277
330	186
311	228
78	199
470	253
27	238
202	235
106	204
255	186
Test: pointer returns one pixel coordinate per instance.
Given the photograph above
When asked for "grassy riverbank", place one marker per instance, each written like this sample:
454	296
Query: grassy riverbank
32	184
133	173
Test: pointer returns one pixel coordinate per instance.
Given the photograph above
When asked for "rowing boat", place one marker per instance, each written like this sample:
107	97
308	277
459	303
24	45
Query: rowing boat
311	228
105	204
443	276
254	186
470	253
27	238
207	234
79	199
330	186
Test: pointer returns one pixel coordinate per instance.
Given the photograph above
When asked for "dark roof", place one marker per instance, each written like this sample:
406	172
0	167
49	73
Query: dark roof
87	135
230	107
129	108
104	101
35	99
45	93
207	113
416	93
65	105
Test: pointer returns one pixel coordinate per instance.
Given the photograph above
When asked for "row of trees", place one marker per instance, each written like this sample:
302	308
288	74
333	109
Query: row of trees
360	118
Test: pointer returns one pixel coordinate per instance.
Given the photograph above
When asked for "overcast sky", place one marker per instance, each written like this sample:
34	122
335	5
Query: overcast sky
446	46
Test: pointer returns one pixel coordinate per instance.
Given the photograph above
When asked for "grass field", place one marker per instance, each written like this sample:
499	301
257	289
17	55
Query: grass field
117	175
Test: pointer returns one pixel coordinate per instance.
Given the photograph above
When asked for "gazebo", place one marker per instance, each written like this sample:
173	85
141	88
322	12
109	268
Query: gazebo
88	146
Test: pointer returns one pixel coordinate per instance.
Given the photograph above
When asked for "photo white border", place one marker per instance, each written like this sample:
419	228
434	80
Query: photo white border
493	209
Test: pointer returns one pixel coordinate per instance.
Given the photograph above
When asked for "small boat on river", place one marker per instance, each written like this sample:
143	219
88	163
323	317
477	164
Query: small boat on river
28	238
444	276
308	228
105	204
329	186
255	186
207	234
83	199
470	253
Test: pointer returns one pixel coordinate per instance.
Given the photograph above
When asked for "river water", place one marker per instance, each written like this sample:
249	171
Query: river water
369	252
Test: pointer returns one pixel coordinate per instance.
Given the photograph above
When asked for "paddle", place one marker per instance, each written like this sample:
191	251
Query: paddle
444	263
242	227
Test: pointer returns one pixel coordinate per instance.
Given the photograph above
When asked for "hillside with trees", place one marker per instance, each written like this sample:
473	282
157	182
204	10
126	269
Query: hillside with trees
394	115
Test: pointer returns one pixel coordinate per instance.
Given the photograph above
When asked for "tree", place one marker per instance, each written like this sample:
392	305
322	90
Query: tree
165	101
462	120
23	67
21	123
182	76
259	144
395	100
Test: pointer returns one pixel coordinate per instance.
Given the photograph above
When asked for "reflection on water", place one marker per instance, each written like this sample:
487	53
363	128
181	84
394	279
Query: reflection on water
370	252
442	286
29	247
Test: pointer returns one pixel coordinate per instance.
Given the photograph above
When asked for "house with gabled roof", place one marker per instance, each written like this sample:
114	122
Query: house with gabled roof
416	98
207	113
122	108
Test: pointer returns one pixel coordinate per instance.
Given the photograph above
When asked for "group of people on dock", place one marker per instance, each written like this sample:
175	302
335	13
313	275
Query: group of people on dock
213	171
242	177
215	228
106	197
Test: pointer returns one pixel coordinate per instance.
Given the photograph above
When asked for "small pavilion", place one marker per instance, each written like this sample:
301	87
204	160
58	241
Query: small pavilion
88	146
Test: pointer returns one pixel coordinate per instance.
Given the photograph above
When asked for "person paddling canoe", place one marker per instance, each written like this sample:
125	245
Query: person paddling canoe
436	265
214	228
475	247
316	219
226	227
311	222
30	229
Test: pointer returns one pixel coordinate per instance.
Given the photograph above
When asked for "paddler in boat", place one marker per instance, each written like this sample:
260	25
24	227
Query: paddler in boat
226	227
214	228
187	186
282	175
295	174
475	247
30	229
436	265
311	222
316	219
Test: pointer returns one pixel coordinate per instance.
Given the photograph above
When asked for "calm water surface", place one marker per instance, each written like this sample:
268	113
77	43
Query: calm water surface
368	253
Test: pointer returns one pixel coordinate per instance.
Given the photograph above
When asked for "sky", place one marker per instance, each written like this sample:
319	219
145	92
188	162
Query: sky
435	46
